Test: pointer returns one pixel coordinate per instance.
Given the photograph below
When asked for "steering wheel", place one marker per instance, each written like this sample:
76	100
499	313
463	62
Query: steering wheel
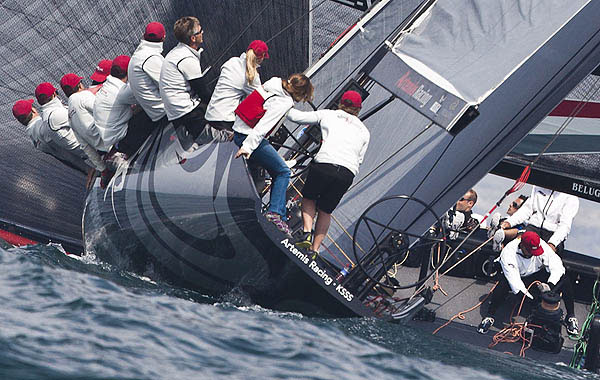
389	245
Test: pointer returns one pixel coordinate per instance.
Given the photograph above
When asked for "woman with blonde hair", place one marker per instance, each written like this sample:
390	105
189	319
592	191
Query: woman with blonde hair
256	117
239	77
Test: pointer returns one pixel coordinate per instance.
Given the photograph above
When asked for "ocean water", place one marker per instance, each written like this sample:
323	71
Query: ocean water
70	318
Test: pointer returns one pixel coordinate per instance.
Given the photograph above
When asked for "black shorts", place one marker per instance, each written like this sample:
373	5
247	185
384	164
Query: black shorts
326	184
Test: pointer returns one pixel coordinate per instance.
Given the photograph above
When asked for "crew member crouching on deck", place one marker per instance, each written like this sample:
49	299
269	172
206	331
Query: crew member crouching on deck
345	141
256	116
522	261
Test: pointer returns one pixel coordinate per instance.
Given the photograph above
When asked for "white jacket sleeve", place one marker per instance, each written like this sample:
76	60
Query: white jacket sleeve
94	158
248	88
568	212
301	117
511	269
125	95
152	67
523	213
275	108
63	135
554	266
363	150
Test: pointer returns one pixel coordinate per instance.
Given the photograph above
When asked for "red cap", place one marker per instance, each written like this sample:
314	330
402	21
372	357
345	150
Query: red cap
260	48
71	80
44	91
351	99
22	108
102	70
155	32
121	62
531	241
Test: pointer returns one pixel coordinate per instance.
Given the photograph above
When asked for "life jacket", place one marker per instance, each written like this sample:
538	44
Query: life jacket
251	110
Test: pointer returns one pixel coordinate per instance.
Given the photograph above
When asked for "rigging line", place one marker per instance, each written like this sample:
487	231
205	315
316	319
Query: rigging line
418	186
592	91
96	43
34	25
240	35
295	21
342	228
390	157
390	36
507	133
581	104
65	50
338	247
64	25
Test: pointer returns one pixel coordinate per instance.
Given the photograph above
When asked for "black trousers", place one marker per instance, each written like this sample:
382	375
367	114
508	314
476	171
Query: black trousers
563	285
222	125
139	127
193	121
545	235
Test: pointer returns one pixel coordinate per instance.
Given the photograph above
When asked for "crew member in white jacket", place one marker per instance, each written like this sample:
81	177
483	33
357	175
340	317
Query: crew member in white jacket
345	141
81	116
549	213
238	78
56	115
522	261
279	96
118	124
38	131
144	73
183	88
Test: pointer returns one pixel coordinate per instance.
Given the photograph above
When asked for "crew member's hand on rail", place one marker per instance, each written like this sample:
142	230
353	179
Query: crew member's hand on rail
242	152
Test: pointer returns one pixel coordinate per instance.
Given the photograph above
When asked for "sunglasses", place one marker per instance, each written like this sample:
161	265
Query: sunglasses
198	32
515	205
464	199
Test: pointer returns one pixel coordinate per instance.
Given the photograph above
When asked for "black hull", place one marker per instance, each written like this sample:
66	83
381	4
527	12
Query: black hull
194	219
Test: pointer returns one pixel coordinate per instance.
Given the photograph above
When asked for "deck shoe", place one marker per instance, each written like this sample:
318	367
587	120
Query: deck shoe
485	325
282	226
305	240
313	254
572	326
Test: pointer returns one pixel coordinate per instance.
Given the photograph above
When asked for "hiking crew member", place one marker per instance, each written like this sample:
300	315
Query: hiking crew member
549	213
81	117
102	72
113	114
345	141
37	130
144	72
182	84
238	78
277	97
522	261
56	117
